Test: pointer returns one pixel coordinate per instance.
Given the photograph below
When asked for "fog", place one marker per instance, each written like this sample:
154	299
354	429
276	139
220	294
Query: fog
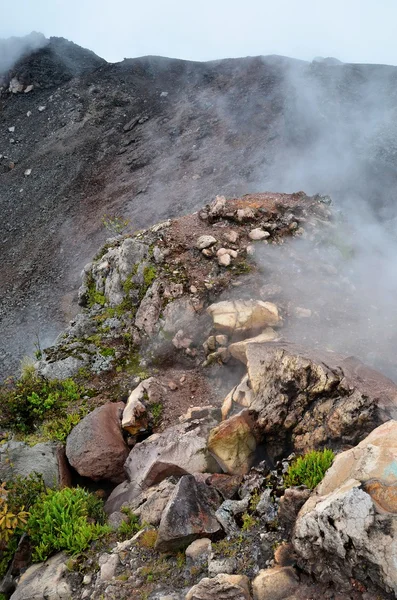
13	48
340	139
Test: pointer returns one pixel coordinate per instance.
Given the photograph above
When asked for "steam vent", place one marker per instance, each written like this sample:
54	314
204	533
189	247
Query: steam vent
198	395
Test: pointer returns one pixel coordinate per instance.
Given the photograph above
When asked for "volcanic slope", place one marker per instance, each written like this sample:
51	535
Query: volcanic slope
151	138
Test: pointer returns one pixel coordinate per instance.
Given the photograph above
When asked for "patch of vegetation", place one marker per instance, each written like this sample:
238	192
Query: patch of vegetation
129	528
148	539
115	223
242	268
156	410
131	365
59	428
66	520
149	275
27	402
310	469
254	500
16	498
248	522
107	351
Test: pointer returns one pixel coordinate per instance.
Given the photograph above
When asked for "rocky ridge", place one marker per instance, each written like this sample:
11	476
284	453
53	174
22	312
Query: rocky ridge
167	322
152	138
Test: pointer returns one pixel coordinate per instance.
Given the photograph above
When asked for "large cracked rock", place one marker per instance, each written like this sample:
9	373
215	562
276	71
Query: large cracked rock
349	527
96	448
233	444
306	399
110	272
48	459
189	514
243	316
179	450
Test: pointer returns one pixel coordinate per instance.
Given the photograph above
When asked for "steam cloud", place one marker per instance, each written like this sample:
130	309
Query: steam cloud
13	48
340	139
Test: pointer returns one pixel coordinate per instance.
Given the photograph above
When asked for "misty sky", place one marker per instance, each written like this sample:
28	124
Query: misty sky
351	30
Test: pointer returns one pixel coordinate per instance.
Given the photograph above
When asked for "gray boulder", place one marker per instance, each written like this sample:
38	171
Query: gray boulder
45	581
178	450
48	459
189	514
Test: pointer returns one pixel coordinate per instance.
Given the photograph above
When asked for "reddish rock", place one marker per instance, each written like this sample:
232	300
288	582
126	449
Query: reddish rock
96	448
226	485
189	515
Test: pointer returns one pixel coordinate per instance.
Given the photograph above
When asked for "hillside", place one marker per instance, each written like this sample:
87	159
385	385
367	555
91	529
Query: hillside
151	138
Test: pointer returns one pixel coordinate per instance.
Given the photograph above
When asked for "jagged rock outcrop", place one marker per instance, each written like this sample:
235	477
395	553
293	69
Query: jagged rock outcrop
96	448
308	399
233	444
188	515
243	317
349	527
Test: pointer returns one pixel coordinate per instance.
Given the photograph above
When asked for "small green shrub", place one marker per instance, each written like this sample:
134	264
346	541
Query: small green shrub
310	469
64	520
148	539
115	223
59	428
248	522
130	527
24	491
16	498
27	402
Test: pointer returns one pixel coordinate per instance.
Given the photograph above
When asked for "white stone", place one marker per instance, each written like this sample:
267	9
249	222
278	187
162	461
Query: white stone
258	234
205	241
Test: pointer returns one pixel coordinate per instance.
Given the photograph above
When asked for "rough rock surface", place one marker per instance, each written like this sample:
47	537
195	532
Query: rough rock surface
45	581
307	399
275	584
179	450
349	527
233	587
148	506
17	458
189	514
233	444
239	349
96	448
235	317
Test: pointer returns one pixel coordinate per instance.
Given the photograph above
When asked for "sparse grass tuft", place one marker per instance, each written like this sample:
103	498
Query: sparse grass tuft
148	539
310	469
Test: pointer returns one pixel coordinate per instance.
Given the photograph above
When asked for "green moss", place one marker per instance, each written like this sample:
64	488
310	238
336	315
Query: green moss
310	469
149	275
156	410
107	351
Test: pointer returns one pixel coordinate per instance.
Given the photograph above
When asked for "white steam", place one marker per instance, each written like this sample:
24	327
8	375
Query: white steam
340	139
14	48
